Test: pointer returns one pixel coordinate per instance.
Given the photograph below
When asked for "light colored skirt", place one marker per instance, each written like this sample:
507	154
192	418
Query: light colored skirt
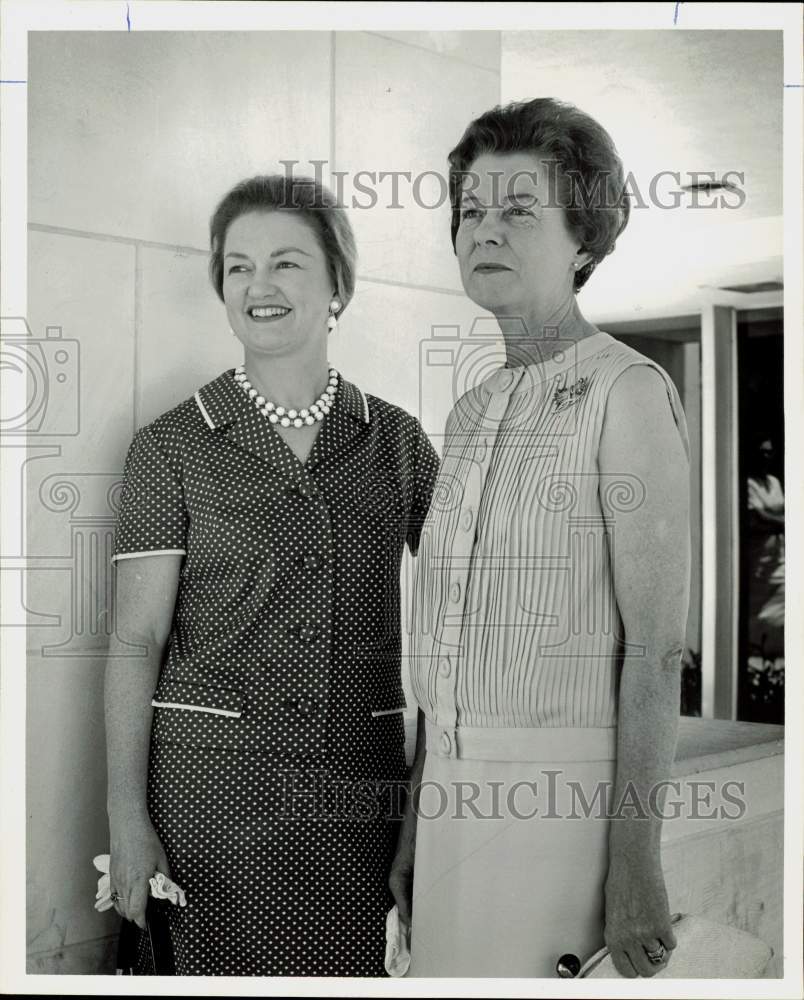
511	855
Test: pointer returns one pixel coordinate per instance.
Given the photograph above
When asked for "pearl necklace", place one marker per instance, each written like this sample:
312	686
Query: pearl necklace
290	418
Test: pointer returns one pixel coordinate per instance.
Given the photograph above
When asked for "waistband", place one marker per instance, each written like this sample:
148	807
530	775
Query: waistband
522	744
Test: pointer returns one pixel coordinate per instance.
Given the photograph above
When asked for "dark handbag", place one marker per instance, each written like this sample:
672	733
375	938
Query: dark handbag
147	952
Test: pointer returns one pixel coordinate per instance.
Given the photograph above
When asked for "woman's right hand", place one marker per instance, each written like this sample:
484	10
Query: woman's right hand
400	878
136	855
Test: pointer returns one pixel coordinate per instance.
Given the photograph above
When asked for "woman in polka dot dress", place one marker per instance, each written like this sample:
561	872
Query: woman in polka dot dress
255	739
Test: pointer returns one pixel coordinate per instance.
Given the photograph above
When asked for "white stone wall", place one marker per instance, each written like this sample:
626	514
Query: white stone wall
132	140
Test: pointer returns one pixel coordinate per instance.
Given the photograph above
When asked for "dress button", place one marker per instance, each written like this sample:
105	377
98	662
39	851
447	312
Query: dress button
446	743
312	560
467	519
455	592
444	667
305	707
308	632
307	489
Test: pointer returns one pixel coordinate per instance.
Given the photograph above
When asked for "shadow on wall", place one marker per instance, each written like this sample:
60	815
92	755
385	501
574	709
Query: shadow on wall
691	685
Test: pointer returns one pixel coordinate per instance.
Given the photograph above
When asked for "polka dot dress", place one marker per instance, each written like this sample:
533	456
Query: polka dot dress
277	750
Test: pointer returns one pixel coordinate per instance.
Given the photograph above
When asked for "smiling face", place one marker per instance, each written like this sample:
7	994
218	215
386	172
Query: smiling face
515	250
276	285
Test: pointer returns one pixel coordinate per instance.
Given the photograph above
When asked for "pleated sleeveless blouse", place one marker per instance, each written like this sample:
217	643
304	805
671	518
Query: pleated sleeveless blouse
515	620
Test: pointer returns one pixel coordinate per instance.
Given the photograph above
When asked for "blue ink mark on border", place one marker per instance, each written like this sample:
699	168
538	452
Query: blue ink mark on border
128	19
13	81
675	14
799	85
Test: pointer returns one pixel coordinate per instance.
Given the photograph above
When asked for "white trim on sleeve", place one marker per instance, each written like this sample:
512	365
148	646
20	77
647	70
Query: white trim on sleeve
386	711
150	552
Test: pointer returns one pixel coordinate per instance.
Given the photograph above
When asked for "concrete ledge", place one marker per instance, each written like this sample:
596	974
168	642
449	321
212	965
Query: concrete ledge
707	744
96	957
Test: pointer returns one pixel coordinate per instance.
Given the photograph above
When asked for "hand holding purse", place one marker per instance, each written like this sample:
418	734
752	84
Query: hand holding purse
704	950
148	951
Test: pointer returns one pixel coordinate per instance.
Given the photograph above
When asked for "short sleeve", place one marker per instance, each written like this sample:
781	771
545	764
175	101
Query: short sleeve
426	472
153	515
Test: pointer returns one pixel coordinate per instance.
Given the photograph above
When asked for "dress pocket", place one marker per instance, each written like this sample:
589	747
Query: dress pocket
199	698
197	716
385	694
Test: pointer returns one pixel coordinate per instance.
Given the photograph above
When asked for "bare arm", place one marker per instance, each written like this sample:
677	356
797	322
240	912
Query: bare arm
401	877
651	578
400	880
145	597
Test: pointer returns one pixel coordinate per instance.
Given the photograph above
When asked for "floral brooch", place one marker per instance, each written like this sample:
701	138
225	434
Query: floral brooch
568	395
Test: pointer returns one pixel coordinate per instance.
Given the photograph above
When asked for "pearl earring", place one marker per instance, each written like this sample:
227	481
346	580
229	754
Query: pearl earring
332	320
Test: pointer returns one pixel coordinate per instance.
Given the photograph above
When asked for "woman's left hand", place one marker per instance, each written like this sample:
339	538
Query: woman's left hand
637	916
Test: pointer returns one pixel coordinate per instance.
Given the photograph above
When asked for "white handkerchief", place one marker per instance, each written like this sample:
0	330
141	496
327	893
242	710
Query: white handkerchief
103	897
161	887
397	945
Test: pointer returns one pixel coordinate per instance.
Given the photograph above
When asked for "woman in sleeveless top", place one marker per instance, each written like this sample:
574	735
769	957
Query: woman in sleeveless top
552	588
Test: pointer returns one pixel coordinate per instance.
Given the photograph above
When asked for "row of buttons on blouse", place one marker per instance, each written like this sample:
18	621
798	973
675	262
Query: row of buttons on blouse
309	560
305	706
467	521
504	380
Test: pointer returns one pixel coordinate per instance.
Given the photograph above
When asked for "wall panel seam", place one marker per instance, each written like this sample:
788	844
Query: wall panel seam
433	52
84	234
135	408
176	248
72	944
332	104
